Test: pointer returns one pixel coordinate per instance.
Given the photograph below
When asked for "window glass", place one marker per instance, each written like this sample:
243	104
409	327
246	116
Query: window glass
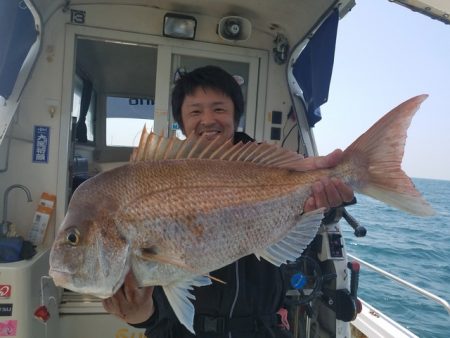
76	104
125	118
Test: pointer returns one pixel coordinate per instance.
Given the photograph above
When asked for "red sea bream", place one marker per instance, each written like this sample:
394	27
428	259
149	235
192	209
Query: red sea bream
181	209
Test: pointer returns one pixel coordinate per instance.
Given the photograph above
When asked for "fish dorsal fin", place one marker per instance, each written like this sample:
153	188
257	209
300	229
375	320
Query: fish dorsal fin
155	147
292	245
136	154
179	295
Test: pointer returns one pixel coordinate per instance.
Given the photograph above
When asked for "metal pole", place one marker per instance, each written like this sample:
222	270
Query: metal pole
423	292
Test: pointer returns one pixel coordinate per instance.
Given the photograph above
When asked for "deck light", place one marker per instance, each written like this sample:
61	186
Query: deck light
179	26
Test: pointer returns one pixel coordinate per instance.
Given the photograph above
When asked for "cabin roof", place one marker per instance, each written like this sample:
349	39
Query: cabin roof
295	16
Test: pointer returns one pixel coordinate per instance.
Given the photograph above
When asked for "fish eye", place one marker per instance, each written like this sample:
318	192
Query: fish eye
73	237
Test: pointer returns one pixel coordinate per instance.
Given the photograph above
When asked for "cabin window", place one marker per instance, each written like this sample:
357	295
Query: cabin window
125	118
76	108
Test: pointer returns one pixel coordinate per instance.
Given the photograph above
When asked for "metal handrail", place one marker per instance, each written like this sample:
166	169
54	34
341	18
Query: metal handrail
423	292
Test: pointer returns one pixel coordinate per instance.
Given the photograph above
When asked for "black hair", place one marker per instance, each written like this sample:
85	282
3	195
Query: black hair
208	77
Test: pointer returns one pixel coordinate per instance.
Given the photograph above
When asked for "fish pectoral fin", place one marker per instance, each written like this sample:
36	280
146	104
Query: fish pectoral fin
216	279
152	254
296	240
179	295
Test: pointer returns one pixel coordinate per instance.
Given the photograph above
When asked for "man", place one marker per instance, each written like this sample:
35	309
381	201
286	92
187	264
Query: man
208	101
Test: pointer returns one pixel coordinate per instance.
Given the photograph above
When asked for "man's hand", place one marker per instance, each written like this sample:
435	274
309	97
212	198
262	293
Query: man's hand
327	192
131	303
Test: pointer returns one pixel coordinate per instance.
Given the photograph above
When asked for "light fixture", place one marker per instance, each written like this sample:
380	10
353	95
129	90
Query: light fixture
179	26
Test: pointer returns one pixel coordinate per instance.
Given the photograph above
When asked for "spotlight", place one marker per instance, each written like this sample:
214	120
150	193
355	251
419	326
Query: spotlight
179	26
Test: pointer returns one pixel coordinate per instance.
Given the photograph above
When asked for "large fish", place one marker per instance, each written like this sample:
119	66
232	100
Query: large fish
181	209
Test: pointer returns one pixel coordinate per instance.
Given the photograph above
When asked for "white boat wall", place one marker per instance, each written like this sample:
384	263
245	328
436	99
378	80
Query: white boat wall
108	66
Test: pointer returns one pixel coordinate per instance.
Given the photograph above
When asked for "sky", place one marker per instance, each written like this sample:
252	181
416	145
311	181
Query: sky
385	54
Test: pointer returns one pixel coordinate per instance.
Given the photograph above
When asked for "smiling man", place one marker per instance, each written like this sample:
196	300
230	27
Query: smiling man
208	101
208	112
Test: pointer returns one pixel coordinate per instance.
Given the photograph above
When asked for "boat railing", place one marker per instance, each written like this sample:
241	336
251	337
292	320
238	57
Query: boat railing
417	289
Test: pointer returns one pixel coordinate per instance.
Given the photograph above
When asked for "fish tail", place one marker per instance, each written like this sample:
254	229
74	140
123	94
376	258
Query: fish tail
376	158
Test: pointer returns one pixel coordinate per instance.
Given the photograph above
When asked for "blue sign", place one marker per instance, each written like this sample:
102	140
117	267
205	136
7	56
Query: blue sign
41	141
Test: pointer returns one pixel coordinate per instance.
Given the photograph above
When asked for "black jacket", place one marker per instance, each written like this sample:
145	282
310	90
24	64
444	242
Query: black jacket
253	293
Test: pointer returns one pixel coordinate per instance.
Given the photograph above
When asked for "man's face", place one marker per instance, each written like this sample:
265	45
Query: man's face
208	112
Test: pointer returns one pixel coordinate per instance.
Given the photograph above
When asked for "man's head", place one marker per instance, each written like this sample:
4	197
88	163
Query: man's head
207	100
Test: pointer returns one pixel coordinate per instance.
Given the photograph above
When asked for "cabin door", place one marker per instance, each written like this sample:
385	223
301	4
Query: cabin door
114	83
182	63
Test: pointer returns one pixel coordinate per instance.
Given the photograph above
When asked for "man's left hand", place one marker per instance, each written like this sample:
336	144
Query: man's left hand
327	192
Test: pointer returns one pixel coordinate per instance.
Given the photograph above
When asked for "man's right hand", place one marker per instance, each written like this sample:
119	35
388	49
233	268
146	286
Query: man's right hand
131	303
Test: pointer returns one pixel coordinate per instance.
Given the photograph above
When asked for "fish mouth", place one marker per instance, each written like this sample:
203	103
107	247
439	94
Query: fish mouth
65	280
60	278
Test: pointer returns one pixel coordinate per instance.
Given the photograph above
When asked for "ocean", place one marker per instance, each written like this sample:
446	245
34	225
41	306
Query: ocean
416	249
